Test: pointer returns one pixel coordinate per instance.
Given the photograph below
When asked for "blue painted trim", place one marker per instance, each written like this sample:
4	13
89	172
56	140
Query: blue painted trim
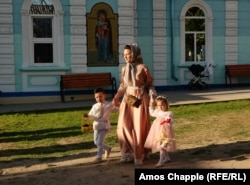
88	92
45	68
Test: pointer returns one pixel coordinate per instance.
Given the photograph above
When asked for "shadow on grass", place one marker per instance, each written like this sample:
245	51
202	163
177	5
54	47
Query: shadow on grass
39	134
222	152
47	149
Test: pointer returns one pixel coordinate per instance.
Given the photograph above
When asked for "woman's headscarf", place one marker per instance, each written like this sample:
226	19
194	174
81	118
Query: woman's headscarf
130	68
135	53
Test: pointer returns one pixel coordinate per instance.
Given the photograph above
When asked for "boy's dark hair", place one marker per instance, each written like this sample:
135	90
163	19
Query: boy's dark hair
98	90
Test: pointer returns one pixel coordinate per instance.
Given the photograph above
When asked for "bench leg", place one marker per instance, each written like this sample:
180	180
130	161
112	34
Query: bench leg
62	96
230	80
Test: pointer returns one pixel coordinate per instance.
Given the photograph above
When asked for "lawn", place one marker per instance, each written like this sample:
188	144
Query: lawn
57	133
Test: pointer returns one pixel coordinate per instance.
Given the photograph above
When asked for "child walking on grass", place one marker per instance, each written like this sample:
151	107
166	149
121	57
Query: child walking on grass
161	134
100	113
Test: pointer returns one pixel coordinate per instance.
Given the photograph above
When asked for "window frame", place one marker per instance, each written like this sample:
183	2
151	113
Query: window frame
208	30
57	39
194	33
35	40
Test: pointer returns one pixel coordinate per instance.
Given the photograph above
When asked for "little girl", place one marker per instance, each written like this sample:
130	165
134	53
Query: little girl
161	134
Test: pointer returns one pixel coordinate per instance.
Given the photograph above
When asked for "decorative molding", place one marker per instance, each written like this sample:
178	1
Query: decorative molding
126	12
7	49
125	21
6	19
7	79
6	1
77	20
6	29
160	75
231	15
159	58
160	40
127	3
231	5
231	57
159	32
158	66
160	49
159	23
123	40
158	14
77	2
78	49
159	5
126	30
78	68
5	8
7	88
6	39
232	40
231	48
41	81
79	60
78	39
231	31
7	69
232	23
78	10
6	59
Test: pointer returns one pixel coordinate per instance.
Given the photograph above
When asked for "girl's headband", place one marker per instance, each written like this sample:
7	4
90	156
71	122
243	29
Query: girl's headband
162	97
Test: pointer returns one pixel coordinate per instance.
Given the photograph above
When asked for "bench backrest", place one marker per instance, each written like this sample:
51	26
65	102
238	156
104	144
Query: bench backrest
86	80
238	70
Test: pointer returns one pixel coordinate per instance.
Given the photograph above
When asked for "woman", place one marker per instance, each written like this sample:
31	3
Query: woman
134	122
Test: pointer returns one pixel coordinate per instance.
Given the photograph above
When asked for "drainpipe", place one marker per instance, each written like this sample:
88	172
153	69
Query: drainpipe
172	40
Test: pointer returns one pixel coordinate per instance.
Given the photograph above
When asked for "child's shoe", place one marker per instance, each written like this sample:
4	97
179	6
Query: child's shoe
123	158
97	160
166	159
138	162
126	158
159	164
107	153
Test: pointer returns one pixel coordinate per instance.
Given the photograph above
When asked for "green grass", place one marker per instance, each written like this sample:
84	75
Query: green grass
54	134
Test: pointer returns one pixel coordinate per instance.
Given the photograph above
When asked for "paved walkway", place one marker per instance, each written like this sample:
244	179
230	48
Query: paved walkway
176	97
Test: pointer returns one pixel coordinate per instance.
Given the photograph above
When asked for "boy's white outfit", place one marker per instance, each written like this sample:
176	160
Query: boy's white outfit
100	113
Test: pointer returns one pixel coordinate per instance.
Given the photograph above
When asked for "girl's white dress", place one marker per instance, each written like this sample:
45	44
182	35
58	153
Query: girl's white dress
161	134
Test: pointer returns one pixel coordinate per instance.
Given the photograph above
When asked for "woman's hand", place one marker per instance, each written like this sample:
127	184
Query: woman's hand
116	102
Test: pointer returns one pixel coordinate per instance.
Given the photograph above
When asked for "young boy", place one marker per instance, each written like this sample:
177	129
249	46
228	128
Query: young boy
100	113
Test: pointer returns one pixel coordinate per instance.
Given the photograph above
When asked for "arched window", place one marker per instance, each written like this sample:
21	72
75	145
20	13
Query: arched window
196	32
42	22
195	35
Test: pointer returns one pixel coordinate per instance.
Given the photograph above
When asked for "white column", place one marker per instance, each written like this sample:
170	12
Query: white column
127	23
159	42
7	68
78	36
231	45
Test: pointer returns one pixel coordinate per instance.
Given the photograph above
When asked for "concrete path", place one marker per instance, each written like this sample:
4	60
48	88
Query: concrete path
176	97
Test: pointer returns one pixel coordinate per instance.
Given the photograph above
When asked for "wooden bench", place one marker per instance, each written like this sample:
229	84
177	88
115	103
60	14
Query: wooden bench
84	80
236	70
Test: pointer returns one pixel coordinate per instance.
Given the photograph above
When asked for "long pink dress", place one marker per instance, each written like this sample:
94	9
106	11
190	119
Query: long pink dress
161	131
134	123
